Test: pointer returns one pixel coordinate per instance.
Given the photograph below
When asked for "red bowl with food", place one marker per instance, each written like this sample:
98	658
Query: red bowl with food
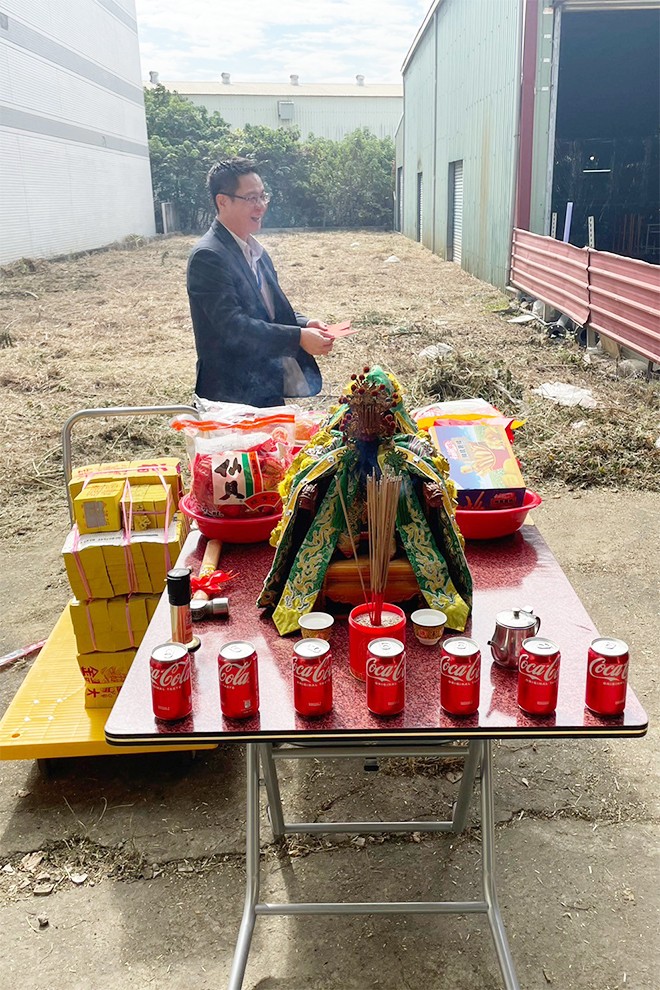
238	529
490	524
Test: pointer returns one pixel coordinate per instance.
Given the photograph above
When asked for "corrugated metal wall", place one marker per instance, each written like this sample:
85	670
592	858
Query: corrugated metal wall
73	140
461	82
418	144
330	117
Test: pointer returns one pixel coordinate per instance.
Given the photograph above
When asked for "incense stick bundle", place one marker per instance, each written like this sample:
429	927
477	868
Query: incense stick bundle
382	502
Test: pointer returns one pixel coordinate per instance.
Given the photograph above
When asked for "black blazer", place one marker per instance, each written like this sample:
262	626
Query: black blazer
239	348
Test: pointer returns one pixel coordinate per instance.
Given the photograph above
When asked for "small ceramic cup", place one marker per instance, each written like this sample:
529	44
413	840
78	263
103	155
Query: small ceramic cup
429	625
316	625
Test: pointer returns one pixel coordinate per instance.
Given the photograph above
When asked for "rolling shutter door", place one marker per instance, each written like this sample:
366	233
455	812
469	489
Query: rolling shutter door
457	213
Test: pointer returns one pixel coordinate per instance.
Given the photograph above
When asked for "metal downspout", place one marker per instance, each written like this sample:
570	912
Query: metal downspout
435	130
552	119
515	151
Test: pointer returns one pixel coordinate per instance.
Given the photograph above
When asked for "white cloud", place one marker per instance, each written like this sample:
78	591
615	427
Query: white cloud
321	40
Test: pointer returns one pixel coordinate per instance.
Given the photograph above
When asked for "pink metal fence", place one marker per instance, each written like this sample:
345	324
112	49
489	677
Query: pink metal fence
616	296
552	271
625	301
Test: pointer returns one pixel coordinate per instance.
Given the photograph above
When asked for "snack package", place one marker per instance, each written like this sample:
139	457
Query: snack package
482	464
307	421
465	411
237	467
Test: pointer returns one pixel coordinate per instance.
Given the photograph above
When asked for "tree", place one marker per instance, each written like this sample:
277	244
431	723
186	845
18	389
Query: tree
319	182
184	141
279	158
351	179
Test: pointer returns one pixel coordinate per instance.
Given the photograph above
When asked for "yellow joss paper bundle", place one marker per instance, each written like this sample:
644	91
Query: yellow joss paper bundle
111	624
104	565
104	674
161	472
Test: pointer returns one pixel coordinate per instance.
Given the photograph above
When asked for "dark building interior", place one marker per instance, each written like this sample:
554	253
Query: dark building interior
608	130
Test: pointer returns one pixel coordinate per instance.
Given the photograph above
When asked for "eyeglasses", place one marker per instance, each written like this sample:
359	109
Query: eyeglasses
253	200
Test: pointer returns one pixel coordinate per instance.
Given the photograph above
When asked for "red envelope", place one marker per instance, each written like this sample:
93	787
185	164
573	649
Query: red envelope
342	329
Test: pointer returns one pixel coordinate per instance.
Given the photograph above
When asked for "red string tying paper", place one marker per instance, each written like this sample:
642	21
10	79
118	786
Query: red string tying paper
129	627
211	582
90	626
126	541
76	556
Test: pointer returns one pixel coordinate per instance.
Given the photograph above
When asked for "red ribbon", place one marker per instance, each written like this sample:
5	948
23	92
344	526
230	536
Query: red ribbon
211	583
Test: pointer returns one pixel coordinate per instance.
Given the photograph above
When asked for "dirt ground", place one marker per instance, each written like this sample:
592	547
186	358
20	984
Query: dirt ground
157	841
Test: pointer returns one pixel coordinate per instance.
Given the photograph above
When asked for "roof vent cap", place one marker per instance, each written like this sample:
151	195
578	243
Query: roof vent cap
359	80
153	78
294	80
225	78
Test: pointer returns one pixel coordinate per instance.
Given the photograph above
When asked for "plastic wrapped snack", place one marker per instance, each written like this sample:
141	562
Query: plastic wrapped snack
236	467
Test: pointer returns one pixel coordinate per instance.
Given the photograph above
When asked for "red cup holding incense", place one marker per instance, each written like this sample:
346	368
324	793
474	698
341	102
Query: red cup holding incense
363	628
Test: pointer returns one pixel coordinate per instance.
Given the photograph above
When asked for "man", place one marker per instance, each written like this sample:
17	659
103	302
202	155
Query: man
251	346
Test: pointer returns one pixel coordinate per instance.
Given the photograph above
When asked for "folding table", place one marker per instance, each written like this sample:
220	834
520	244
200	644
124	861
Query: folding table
516	571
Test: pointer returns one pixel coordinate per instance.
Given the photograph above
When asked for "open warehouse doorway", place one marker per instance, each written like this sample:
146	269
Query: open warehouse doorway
606	152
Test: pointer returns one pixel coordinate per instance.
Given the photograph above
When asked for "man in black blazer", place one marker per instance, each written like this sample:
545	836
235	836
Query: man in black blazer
251	346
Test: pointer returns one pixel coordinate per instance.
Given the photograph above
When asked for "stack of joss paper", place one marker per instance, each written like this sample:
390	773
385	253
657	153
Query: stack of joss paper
126	536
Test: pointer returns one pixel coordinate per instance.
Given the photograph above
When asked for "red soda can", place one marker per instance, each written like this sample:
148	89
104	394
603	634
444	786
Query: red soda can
607	676
386	676
239	680
538	676
312	677
460	676
170	667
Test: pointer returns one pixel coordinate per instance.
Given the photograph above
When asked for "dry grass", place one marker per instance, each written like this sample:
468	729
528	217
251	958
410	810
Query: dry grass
112	328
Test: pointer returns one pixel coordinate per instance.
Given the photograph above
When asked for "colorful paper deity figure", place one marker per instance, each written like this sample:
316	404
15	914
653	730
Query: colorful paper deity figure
324	496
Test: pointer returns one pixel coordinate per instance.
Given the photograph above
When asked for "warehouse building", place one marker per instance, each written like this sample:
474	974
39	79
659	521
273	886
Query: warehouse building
324	110
73	137
536	114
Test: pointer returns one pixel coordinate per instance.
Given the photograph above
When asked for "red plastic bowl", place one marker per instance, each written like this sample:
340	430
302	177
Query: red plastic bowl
249	529
489	524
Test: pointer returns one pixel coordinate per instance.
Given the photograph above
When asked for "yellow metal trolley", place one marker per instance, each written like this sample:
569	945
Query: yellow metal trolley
47	718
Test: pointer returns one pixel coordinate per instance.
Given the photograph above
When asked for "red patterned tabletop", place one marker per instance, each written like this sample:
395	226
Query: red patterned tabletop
508	573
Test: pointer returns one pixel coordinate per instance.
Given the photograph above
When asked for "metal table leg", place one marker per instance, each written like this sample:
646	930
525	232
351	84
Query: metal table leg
275	813
470	764
477	753
252	870
487	870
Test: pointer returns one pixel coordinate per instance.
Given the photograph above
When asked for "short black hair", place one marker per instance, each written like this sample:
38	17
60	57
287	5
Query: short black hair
224	176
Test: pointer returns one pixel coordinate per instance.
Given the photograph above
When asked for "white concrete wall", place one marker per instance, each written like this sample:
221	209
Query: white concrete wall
74	157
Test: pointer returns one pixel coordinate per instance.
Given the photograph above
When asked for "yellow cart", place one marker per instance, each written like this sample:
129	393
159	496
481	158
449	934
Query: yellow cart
47	718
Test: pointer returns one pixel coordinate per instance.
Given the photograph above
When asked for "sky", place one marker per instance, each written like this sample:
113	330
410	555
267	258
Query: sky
322	41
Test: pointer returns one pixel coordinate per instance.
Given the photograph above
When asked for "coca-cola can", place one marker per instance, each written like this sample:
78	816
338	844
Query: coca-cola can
239	680
386	676
607	676
460	676
312	677
170	666
538	676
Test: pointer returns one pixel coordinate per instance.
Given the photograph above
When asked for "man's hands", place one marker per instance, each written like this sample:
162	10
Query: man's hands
314	339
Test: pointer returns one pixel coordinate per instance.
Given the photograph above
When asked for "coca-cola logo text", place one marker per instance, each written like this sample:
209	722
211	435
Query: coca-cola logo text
538	671
317	673
466	672
235	674
172	676
394	671
598	667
